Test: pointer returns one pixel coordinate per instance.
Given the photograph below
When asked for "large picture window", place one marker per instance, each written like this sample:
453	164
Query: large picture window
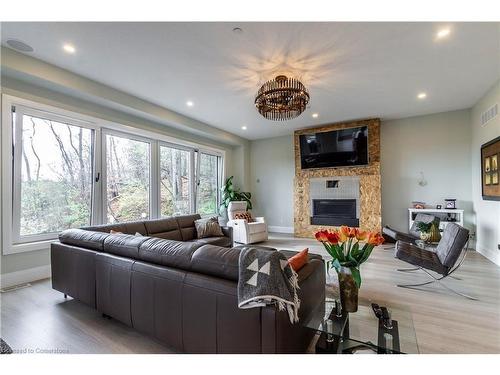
127	179
69	171
54	175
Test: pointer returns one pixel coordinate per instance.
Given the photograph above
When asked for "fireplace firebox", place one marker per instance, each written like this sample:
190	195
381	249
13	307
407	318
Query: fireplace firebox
334	212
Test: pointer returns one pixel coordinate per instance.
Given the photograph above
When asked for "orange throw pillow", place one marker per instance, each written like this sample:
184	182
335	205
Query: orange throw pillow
299	260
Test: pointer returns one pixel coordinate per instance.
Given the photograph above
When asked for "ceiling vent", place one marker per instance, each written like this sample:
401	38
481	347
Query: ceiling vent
489	114
19	45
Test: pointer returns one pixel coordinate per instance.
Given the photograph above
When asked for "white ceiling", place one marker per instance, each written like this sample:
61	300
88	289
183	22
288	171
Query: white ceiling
352	70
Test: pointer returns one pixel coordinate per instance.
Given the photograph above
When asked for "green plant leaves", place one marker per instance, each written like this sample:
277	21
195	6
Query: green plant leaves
356	275
231	194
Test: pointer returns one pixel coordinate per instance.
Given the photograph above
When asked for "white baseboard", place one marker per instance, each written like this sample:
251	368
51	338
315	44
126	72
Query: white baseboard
24	276
494	256
276	229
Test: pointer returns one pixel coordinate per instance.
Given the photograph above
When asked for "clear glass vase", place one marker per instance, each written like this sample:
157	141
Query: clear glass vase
348	290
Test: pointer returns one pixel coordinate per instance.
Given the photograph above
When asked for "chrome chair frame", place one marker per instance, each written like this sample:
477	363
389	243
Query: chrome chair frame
438	280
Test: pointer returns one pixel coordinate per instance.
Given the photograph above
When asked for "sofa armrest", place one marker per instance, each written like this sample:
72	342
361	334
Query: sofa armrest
281	336
228	232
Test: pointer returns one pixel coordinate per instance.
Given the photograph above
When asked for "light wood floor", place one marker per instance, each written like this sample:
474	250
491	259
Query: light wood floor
39	318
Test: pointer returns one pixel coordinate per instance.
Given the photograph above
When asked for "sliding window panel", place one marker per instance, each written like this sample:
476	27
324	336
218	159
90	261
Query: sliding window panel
127	174
53	176
207	192
175	180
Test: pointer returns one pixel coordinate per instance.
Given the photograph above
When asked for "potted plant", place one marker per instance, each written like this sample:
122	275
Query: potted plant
429	232
231	194
349	248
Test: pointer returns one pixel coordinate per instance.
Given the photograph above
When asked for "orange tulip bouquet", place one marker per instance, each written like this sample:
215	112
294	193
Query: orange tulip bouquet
349	248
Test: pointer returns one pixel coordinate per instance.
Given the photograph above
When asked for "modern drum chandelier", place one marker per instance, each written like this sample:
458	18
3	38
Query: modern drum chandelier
282	99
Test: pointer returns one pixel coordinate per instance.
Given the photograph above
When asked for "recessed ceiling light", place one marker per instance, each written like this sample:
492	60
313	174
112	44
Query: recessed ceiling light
315	115
443	33
69	48
244	127
189	103
422	95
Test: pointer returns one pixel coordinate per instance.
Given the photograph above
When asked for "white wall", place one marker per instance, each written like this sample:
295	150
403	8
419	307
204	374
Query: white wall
487	212
439	146
272	171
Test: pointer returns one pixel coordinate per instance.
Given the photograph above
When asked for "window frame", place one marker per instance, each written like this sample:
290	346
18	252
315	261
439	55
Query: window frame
104	173
192	181
220	179
16	145
99	125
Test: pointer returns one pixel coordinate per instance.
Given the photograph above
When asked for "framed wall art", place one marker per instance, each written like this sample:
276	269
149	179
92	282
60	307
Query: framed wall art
490	171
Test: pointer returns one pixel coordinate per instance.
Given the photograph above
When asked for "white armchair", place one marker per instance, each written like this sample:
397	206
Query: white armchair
244	232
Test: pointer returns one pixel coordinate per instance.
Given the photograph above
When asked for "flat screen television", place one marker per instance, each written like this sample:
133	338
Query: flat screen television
336	148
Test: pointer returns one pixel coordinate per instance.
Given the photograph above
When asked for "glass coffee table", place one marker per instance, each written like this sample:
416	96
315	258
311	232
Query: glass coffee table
362	331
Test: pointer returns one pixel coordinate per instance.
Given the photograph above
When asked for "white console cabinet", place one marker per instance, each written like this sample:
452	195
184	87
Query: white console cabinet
446	216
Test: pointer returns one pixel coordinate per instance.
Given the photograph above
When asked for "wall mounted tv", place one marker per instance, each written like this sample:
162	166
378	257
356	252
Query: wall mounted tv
337	148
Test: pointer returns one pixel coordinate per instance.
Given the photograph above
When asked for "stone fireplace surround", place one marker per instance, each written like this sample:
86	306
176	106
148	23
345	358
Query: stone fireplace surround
306	182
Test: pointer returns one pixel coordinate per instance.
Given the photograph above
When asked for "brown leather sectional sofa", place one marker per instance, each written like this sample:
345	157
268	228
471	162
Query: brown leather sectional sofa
177	288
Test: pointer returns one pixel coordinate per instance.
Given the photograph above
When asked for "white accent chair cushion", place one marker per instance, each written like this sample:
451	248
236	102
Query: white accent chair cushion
244	232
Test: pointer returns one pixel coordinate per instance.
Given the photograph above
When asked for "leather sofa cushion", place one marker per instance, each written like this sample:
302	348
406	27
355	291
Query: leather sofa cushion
419	257
187	227
216	261
166	228
125	245
135	227
168	253
131	227
83	238
216	241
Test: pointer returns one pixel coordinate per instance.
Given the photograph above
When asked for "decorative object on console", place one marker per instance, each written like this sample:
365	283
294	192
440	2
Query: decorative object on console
282	98
450	203
490	153
418	205
349	248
